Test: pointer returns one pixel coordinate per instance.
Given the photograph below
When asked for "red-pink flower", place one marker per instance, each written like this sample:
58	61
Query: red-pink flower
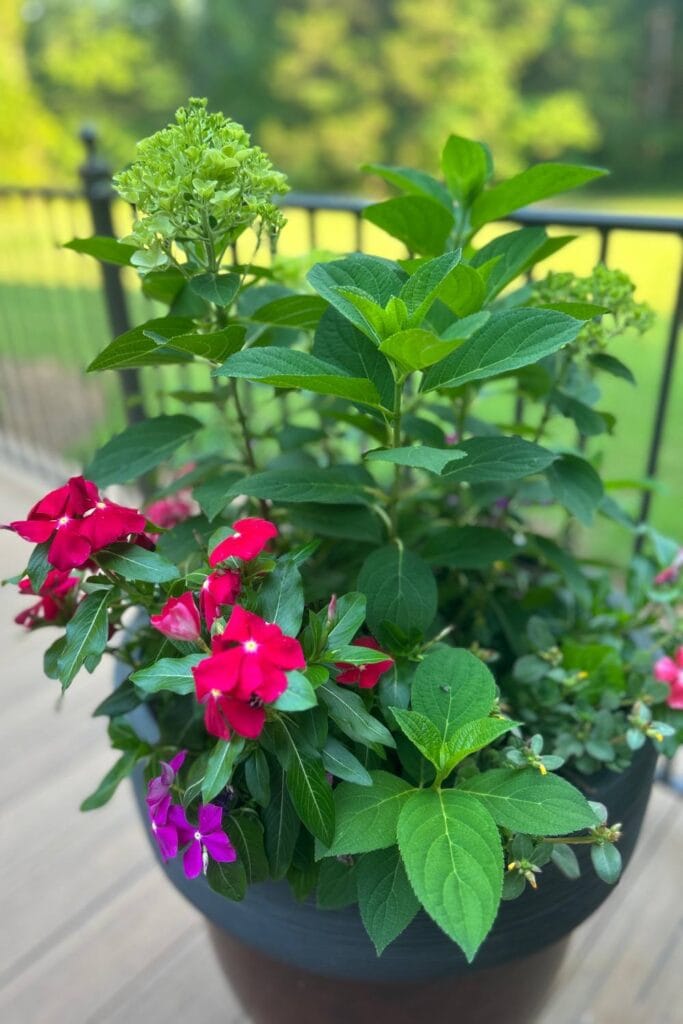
207	839
179	618
54	604
365	676
672	572
248	540
218	589
670	670
168	512
78	522
246	669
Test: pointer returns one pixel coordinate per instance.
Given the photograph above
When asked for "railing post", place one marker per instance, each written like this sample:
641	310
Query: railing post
95	175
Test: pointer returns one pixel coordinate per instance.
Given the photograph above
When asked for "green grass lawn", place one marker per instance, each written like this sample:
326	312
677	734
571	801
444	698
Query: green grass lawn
52	315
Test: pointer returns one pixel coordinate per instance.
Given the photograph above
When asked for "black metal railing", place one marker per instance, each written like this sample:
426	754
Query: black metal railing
27	431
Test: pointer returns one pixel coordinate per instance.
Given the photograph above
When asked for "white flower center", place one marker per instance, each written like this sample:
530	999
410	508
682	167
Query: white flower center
216	693
63	521
250	646
236	534
198	836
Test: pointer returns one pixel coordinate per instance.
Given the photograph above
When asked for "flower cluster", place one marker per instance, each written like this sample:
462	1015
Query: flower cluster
173	832
56	600
198	182
77	522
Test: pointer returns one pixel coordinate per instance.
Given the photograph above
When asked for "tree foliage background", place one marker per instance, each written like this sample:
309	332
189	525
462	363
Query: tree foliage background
324	85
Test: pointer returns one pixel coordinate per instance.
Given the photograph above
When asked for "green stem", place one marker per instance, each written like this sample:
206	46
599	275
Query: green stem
547	409
396	443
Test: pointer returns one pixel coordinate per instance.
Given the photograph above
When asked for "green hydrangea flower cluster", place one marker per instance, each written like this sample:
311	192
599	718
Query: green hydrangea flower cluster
612	289
197	185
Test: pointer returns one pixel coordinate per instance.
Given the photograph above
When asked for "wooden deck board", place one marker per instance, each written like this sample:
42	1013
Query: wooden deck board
93	934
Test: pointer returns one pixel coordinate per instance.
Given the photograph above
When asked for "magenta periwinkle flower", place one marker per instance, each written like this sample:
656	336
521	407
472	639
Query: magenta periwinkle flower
158	797
206	839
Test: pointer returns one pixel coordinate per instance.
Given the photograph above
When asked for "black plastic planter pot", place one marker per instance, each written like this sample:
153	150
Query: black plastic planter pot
289	961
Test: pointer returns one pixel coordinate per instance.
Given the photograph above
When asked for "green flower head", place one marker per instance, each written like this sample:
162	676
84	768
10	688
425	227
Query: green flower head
196	186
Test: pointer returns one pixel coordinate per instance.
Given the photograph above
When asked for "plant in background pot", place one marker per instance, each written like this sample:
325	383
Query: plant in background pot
373	690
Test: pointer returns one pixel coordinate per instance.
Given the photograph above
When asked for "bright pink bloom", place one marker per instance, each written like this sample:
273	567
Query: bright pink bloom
218	589
78	522
206	839
365	676
670	670
158	797
168	512
179	618
452	439
248	540
166	836
672	572
54	604
246	669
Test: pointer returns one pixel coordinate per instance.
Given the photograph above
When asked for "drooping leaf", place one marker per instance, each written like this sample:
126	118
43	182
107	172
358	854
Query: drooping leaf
38	566
133	562
86	636
529	802
348	712
139	448
607	862
453	856
228	879
414	182
386	900
576	485
399	587
311	794
507	341
109	784
366	816
173	674
341	763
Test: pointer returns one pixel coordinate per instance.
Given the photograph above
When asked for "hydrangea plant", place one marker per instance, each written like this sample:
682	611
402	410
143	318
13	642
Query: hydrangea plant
364	642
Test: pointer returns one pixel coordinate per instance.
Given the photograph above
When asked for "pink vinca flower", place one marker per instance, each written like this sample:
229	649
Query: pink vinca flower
248	541
218	589
158	797
179	618
78	522
247	668
56	600
206	839
365	676
670	670
672	572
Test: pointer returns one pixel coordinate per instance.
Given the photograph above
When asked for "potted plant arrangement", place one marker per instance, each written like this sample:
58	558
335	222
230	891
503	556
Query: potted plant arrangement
378	699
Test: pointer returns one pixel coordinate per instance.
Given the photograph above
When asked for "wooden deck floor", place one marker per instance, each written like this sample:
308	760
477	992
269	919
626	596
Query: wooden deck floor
92	933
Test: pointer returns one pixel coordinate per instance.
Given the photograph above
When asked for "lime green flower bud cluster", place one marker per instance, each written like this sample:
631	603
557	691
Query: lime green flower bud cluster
196	186
612	289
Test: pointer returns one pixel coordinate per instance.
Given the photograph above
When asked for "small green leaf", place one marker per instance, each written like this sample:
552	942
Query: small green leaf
386	900
311	794
576	485
282	597
39	566
414	182
216	346
538	182
400	588
434	460
526	801
366	816
228	879
494	459
355	654
86	636
341	763
421	732
421	223
348	711
374	277
349	616
566	860
138	346
606	862
103	248
416	348
219	767
453	857
299	695
423	287
220	289
173	674
452	687
135	563
466	166
472	736
139	448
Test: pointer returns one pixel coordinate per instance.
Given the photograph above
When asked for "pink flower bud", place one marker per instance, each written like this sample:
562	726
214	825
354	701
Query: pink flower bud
179	618
332	608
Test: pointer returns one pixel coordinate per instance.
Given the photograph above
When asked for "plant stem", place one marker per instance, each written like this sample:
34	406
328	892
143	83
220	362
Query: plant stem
244	426
396	443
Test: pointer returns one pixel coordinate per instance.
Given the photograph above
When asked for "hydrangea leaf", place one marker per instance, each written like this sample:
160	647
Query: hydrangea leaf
386	899
527	801
366	816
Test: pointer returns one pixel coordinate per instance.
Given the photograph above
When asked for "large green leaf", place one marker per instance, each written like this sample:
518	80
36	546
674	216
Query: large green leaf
464	290
246	833
173	674
452	687
139	448
136	563
341	763
468	547
527	801
434	460
303	311
348	712
219	767
86	636
366	816
507	341
288	368
332	486
386	900
421	223
472	736
466	166
399	587
137	348
538	182
453	856
514	253
311	794
414	182
281	824
372	276
416	348
228	879
492	459
220	289
216	346
338	342
576	485
103	248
